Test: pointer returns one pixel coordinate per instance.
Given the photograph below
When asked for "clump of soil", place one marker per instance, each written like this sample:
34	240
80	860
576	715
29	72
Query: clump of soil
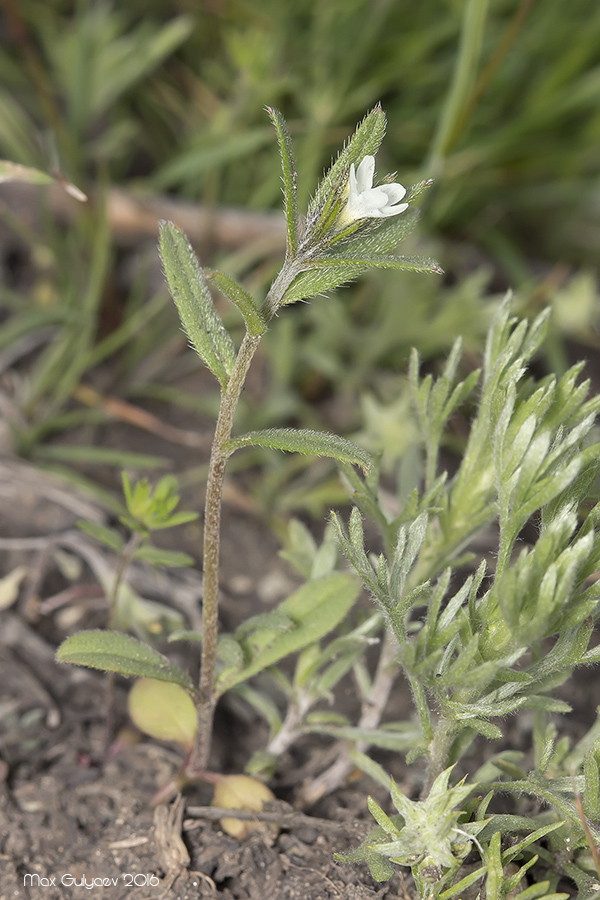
67	821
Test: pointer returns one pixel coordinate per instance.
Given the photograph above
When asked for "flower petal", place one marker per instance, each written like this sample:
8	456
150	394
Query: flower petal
352	184
395	192
366	173
368	202
391	211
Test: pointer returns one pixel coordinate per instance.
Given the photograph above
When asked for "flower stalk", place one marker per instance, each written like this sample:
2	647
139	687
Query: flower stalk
198	760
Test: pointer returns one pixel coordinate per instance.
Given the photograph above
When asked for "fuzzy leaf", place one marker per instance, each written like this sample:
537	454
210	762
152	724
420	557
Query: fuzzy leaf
188	288
319	281
230	289
516	849
304	441
379	867
330	272
290	192
377	261
365	141
591	794
383	236
112	651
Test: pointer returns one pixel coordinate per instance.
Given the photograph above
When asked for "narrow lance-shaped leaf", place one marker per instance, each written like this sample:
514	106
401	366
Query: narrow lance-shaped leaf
379	261
111	651
384	234
290	192
304	441
365	141
255	323
316	609
189	290
330	272
319	281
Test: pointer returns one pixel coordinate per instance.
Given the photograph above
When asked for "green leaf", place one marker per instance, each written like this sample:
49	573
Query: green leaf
377	261
516	849
179	518
371	768
152	509
463	884
319	281
304	441
316	608
230	651
384	236
107	536
230	289
259	629
487	729
184	635
365	141
148	620
159	557
263	704
112	651
290	191
379	867
591	794
189	290
404	738
382	818
329	272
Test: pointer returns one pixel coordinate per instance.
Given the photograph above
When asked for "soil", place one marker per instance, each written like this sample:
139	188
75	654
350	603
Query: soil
71	814
75	818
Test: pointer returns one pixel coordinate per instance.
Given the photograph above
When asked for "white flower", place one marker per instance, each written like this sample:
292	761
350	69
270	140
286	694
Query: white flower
368	202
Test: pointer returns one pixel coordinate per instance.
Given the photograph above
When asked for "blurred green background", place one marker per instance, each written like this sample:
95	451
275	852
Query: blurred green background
499	101
174	94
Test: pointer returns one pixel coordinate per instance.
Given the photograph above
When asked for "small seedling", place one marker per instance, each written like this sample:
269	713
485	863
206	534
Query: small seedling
147	510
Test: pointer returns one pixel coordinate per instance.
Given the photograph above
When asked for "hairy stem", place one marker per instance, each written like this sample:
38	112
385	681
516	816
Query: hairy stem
212	525
438	752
